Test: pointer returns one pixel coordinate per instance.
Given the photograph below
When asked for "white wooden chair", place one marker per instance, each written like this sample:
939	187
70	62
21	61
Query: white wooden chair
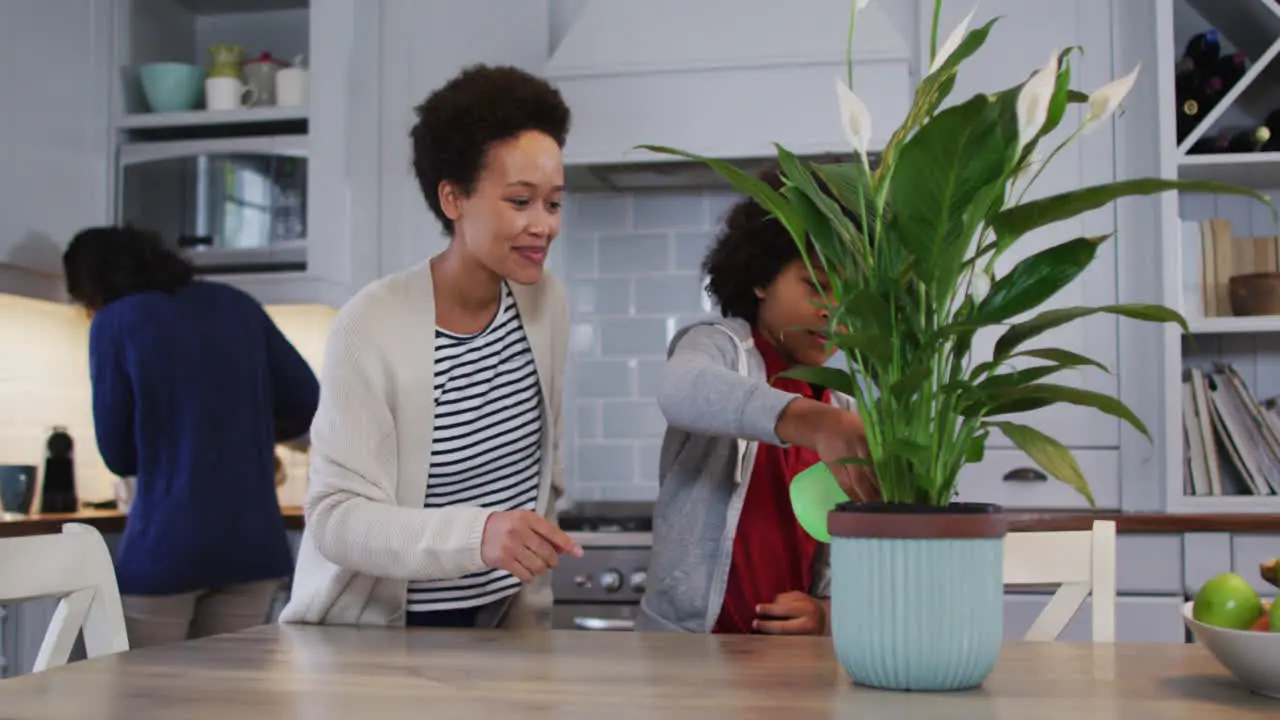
1080	562
75	566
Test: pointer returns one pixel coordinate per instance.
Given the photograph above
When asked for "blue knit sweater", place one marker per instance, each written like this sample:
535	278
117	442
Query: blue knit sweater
191	391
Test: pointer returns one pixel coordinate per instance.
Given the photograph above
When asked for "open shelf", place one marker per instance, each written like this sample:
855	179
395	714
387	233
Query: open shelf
1234	325
1257	170
201	118
1252	26
1224	504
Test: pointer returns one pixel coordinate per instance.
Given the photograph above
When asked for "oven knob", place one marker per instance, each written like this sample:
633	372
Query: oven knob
582	581
610	580
638	579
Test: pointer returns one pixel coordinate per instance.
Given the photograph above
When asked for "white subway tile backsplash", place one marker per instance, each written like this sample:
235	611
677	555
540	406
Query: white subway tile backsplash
691	248
632	265
633	337
632	420
667	294
669	211
648	375
601	379
601	297
601	463
600	212
628	254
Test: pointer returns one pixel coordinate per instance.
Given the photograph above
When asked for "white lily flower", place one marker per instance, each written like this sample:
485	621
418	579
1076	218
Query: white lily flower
855	118
859	4
952	42
1104	101
979	286
1034	99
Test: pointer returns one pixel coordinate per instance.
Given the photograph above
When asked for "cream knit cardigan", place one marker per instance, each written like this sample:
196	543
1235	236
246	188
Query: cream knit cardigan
367	533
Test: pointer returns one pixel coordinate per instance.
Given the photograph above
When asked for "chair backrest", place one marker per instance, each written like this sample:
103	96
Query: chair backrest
1080	562
76	567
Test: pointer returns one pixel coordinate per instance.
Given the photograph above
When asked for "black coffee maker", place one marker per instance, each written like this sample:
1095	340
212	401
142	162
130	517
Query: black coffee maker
58	494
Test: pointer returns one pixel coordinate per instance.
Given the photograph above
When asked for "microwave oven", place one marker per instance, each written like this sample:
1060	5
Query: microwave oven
229	205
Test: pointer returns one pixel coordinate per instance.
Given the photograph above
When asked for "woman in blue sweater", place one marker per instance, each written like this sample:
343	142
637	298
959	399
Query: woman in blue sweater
193	385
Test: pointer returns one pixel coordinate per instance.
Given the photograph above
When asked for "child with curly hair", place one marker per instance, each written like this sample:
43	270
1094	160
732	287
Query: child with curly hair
435	461
728	554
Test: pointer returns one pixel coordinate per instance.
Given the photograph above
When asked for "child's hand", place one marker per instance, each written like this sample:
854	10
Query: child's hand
791	613
843	439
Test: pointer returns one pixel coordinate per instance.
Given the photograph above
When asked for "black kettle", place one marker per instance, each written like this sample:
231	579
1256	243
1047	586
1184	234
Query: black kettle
58	494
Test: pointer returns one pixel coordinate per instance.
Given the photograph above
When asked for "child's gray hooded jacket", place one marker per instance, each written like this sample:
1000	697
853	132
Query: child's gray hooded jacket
719	407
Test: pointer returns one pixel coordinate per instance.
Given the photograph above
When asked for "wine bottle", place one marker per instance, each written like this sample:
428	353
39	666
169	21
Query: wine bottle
1250	140
1211	144
1201	52
1196	103
1230	68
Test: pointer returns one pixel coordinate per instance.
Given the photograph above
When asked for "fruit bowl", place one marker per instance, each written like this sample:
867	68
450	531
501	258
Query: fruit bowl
1252	656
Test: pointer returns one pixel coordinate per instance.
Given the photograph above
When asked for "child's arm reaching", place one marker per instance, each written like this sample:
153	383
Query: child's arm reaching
701	392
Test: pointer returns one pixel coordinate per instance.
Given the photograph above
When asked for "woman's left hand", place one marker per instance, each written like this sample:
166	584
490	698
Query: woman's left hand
791	613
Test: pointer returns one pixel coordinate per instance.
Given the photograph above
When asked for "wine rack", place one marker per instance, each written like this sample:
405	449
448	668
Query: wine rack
1233	138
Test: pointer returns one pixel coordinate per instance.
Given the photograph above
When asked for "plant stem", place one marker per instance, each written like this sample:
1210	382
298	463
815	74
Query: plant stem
848	52
933	36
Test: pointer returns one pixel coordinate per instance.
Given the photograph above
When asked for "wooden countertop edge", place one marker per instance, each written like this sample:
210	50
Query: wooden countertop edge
111	521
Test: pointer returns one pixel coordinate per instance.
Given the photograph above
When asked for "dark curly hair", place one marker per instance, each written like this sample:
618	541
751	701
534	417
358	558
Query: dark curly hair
749	253
104	264
482	105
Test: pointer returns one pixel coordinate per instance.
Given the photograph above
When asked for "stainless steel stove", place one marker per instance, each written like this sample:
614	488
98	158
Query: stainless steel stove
602	589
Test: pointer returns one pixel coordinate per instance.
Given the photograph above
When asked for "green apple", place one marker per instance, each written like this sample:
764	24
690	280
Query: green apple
1275	616
1227	601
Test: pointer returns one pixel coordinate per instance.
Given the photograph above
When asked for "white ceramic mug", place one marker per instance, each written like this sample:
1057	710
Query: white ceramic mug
291	86
225	93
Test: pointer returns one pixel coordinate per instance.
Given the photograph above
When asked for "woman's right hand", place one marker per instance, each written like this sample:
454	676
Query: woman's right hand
524	543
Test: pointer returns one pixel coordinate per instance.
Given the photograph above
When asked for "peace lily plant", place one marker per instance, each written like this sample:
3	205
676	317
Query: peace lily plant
910	249
915	277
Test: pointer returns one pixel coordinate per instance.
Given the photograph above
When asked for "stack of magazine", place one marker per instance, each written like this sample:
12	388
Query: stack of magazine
1232	441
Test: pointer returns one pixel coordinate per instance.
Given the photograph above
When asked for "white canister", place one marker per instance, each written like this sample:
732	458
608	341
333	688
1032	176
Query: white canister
291	86
226	93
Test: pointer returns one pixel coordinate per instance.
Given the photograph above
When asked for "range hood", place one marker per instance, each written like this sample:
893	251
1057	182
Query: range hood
723	78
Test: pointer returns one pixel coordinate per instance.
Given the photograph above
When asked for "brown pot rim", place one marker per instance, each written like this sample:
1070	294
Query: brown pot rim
960	521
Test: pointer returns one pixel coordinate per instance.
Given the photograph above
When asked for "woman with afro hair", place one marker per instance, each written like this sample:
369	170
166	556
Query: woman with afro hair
728	553
435	462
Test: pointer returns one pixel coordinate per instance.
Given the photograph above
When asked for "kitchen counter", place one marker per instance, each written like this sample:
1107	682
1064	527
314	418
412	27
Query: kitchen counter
112	521
308	672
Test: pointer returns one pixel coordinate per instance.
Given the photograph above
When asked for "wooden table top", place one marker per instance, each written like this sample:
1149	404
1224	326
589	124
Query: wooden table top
113	521
308	673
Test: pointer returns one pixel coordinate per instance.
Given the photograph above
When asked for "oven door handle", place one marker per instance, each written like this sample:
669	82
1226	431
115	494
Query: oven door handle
595	623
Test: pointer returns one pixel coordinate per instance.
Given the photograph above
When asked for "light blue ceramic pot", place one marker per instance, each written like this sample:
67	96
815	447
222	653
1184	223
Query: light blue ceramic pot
917	600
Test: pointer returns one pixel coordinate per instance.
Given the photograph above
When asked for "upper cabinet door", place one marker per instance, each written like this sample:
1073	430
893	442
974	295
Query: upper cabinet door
1023	40
424	44
54	156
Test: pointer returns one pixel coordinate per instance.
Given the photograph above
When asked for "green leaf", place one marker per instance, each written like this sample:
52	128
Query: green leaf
799	176
1061	357
1052	456
1026	376
1049	319
976	449
828	377
1036	279
753	187
1065	394
951	161
1077	97
1017	221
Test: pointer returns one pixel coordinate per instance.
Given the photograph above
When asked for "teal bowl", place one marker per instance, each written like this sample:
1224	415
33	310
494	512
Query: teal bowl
171	86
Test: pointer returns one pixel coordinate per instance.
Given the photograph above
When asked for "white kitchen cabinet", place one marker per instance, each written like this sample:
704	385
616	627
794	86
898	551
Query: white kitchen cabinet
1139	618
424	45
338	125
54	160
1023	40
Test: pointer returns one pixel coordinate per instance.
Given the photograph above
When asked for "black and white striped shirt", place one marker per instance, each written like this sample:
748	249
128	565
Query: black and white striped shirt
486	449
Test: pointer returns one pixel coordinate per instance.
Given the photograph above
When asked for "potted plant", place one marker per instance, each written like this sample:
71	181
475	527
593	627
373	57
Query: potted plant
917	595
